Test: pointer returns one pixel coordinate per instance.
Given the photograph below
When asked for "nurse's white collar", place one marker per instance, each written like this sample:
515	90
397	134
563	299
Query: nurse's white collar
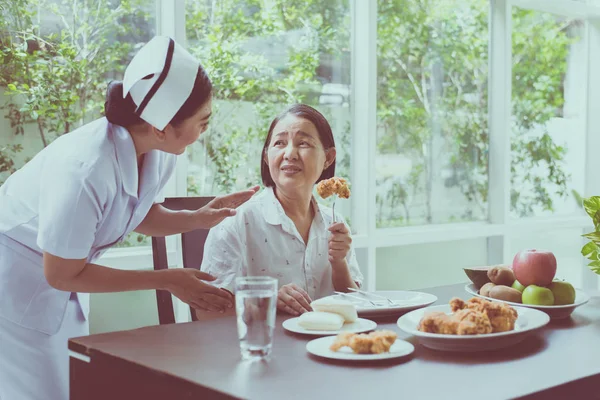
127	161
274	213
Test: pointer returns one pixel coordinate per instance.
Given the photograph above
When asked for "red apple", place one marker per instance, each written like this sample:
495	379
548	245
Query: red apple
534	267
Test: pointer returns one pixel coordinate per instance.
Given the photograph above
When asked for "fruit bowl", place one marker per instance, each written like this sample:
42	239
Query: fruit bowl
554	312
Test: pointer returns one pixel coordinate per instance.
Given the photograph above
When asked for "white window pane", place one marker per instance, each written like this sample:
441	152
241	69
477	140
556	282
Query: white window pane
432	114
548	114
428	265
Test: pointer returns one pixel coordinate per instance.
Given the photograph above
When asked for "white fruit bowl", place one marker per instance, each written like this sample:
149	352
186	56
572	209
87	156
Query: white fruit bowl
554	312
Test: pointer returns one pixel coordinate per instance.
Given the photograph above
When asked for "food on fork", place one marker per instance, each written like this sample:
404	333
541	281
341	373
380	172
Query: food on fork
337	306
376	342
321	321
474	317
332	186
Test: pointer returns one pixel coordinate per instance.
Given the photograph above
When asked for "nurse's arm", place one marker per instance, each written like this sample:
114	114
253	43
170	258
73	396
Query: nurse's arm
78	276
161	221
185	283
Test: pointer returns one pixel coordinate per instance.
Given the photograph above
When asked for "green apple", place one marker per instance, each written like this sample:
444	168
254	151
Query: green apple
564	292
538	295
517	285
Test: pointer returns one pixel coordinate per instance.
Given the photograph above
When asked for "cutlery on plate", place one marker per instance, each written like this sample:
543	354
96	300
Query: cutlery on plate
358	298
374	295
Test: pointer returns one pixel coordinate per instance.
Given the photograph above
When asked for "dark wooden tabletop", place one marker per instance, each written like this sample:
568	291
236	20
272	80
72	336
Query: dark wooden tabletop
203	359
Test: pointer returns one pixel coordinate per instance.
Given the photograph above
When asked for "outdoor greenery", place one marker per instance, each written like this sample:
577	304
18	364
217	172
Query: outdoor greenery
433	79
58	56
231	37
591	250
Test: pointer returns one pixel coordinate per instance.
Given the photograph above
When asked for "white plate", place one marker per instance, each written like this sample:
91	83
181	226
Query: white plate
528	321
320	347
404	300
555	312
358	326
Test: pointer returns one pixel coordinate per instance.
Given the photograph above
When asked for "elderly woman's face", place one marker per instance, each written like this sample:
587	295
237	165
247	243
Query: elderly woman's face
295	155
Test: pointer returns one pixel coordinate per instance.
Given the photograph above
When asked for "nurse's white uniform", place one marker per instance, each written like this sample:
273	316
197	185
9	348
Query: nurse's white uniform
75	199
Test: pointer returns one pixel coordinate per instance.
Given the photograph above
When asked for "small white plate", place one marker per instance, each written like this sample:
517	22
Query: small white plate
555	312
404	301
528	321
358	326
320	347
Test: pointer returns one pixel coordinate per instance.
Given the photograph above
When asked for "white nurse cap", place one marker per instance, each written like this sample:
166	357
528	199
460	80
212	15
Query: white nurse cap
160	78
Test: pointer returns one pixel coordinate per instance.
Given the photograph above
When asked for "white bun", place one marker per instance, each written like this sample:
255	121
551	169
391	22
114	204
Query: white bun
336	306
321	321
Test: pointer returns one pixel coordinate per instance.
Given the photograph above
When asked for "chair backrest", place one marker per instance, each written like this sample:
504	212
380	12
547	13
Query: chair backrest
192	248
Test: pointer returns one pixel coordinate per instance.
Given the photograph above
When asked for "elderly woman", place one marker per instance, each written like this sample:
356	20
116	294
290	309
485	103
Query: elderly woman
283	232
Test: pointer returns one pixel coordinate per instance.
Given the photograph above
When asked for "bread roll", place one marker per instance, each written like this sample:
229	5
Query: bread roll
336	306
321	321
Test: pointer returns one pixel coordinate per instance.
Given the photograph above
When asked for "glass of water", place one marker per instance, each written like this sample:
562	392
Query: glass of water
255	306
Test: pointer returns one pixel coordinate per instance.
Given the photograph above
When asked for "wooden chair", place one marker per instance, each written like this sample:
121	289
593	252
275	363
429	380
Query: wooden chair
192	246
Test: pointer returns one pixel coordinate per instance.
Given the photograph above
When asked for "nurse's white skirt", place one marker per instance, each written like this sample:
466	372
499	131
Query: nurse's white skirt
34	365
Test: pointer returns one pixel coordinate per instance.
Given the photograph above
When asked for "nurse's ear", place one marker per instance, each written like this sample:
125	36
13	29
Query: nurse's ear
160	135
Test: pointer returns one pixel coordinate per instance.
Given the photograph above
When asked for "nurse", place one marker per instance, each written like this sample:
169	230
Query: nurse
84	193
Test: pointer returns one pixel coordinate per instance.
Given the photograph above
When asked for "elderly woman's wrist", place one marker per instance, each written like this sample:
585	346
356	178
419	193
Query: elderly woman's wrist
339	265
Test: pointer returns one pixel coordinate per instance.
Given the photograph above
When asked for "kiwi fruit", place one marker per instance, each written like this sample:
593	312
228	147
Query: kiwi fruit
485	289
501	276
502	292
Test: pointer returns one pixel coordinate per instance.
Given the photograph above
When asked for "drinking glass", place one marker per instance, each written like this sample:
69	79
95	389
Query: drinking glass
255	306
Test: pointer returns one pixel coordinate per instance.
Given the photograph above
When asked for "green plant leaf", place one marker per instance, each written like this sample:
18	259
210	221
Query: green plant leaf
592	206
594	236
589	249
595	266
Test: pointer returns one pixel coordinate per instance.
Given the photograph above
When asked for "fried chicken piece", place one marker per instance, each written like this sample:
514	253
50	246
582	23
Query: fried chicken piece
332	186
501	315
343	339
372	343
438	322
472	322
457	304
382	341
462	322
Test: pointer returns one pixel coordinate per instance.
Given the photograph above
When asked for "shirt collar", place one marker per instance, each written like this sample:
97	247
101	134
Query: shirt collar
127	161
274	213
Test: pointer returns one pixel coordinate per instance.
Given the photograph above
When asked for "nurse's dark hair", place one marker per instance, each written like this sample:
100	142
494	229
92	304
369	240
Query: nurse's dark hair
323	129
121	111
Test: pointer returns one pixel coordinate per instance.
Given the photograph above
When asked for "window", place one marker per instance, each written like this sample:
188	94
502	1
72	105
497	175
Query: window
548	114
432	118
408	86
261	57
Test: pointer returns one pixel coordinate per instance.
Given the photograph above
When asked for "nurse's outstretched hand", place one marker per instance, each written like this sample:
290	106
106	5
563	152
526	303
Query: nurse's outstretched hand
222	207
187	285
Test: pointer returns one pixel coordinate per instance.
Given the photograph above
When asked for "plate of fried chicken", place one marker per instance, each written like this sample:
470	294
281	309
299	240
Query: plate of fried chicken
473	325
376	345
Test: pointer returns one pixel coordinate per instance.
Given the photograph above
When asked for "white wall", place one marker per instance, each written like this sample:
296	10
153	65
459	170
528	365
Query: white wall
120	311
427	265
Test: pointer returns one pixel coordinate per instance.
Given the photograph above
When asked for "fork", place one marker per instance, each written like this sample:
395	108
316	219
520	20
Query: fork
358	298
333	207
372	294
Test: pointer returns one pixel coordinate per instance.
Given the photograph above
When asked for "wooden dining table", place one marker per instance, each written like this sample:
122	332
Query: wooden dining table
201	360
